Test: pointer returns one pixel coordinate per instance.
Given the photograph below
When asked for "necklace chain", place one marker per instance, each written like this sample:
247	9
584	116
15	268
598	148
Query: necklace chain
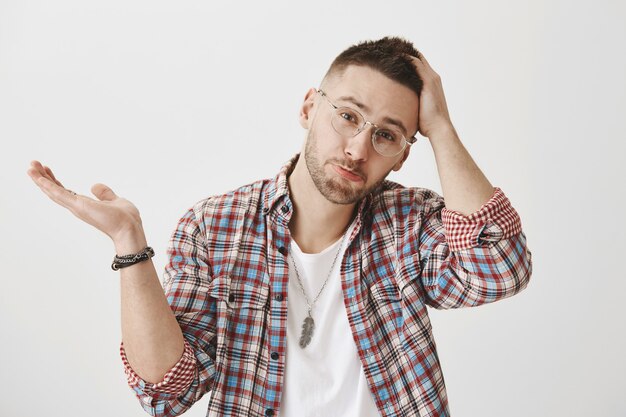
308	326
309	304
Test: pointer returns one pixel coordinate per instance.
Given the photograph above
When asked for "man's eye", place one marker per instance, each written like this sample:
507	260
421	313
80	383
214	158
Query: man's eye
386	135
348	117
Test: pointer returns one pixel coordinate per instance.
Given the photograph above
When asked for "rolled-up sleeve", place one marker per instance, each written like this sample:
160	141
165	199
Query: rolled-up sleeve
175	382
475	259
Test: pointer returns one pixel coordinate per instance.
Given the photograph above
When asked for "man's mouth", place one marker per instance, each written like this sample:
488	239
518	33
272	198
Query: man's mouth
347	174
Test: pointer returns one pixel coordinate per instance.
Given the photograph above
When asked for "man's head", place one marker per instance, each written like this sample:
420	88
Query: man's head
378	80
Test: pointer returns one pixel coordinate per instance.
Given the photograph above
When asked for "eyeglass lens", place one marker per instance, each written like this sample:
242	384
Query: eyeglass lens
388	141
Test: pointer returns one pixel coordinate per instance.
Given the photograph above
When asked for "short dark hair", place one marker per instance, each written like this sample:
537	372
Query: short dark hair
386	55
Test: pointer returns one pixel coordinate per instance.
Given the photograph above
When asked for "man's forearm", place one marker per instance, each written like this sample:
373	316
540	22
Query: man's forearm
152	337
465	187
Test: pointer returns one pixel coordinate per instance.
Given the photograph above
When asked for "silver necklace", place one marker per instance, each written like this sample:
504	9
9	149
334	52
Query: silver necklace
309	324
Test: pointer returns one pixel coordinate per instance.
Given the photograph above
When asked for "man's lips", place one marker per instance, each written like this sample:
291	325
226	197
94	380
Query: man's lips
347	174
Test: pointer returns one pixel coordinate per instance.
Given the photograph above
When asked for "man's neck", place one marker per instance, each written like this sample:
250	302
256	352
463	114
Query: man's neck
316	223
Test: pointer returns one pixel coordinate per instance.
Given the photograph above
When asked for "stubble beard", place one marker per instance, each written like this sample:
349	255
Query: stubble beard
335	190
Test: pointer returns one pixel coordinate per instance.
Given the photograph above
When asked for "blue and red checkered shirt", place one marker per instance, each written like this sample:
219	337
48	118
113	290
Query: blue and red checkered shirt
227	279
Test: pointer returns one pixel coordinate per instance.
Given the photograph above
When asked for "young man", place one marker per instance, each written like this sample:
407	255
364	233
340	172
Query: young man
306	294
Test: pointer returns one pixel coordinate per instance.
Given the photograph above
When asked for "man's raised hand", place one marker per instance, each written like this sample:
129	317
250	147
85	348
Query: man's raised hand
115	216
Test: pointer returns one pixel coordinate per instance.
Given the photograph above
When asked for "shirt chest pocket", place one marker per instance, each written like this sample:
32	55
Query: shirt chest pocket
242	308
401	309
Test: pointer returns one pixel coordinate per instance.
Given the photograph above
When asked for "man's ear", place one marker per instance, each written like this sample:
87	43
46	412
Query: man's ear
399	164
306	111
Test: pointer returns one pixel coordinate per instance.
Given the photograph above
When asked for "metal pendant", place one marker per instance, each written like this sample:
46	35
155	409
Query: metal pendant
307	331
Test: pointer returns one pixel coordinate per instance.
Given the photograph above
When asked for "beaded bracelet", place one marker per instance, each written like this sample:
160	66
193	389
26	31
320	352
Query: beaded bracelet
128	260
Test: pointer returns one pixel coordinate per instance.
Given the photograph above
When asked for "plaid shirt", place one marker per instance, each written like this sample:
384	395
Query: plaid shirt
227	279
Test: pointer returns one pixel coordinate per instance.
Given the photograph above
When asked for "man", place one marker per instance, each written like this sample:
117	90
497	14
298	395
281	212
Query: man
306	294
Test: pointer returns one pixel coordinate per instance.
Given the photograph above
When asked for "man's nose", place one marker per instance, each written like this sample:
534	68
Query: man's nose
359	146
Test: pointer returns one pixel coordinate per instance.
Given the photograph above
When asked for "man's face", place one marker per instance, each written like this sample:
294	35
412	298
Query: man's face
328	154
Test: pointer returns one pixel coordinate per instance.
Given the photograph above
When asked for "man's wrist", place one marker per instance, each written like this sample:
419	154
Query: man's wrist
444	131
130	241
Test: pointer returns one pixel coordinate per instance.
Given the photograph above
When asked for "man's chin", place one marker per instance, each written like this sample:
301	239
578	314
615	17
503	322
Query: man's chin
339	194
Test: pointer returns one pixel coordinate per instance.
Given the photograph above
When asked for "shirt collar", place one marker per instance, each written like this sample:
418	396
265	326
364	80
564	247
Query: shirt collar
278	186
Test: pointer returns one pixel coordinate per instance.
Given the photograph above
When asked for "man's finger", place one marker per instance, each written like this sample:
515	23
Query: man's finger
422	65
419	65
416	60
44	171
36	165
59	195
103	192
49	171
422	59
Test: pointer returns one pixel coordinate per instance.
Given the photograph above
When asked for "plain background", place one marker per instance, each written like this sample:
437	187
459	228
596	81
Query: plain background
170	102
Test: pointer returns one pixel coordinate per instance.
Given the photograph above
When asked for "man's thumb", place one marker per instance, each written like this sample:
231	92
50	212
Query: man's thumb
103	192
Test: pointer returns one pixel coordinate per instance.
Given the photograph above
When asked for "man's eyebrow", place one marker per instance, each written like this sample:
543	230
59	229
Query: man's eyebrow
355	102
387	120
397	123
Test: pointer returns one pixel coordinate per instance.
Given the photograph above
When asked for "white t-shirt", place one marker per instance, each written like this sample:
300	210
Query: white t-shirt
326	378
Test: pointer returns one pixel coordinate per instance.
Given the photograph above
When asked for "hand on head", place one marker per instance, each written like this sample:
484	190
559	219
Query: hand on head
433	111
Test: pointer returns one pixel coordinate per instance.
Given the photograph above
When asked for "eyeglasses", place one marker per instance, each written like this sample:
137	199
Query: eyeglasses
348	122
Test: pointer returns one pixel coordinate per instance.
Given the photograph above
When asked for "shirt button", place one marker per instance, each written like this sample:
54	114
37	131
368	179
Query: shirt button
282	250
266	210
274	356
269	412
231	298
278	297
284	209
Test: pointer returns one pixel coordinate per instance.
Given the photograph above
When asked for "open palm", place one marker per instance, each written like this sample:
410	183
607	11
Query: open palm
110	214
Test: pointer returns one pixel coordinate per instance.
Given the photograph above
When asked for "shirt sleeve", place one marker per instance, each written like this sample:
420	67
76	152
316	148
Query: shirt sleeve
475	259
186	283
174	383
